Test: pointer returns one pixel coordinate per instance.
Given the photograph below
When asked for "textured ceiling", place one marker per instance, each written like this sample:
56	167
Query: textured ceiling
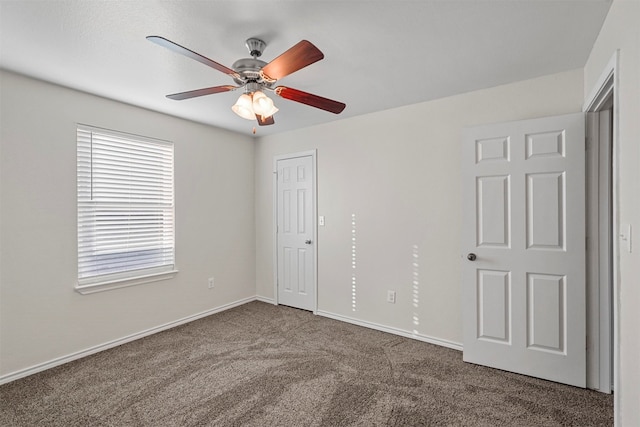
378	54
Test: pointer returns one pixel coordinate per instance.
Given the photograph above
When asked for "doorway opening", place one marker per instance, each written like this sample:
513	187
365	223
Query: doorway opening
601	116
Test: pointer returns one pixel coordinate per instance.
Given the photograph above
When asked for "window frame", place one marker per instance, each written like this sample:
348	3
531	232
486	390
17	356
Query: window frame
96	281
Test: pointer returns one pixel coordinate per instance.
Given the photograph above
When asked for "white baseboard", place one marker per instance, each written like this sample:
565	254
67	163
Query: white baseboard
391	330
265	299
98	348
114	343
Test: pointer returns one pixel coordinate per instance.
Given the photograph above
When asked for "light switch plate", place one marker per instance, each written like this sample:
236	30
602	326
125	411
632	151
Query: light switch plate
321	220
391	297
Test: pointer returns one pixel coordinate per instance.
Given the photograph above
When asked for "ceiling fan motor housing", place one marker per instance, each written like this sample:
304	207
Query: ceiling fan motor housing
248	70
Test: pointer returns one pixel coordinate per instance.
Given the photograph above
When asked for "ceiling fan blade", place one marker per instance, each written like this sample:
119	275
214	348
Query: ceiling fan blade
200	92
310	99
191	54
299	56
264	121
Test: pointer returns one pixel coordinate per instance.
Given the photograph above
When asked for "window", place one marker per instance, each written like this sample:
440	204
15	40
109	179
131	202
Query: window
125	209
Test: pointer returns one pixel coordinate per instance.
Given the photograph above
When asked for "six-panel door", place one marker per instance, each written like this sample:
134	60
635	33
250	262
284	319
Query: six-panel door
295	246
524	220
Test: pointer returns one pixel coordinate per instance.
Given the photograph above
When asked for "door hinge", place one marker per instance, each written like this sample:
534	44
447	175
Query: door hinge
586	144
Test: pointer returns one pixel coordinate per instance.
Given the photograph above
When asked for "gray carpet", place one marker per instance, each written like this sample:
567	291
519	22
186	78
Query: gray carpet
262	365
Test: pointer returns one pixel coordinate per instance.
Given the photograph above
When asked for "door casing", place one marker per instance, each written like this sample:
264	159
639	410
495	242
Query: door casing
599	99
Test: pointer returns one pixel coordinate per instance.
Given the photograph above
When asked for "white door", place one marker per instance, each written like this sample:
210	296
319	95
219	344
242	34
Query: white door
524	247
295	194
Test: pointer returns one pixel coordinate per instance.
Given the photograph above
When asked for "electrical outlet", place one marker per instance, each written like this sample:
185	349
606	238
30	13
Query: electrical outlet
391	297
211	282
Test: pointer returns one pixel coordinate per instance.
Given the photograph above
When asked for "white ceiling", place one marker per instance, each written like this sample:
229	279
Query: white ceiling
378	54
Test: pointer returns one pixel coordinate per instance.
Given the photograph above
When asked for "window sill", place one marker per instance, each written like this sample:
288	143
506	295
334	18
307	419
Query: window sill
124	283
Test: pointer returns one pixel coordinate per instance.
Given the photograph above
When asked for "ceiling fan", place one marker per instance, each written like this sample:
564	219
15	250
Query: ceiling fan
255	76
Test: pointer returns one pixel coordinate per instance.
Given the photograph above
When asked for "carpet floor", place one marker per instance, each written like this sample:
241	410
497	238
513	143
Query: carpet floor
265	365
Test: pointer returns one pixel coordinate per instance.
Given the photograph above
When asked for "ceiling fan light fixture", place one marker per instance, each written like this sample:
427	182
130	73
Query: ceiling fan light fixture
263	105
253	75
243	107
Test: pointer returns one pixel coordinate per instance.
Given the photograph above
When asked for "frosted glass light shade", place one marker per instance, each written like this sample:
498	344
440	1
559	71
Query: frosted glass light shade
243	107
263	105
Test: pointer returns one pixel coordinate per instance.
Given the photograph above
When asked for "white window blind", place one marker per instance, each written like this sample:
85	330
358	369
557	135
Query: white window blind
125	206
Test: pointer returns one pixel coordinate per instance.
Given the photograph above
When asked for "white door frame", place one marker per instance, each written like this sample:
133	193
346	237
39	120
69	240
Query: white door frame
314	215
599	250
605	87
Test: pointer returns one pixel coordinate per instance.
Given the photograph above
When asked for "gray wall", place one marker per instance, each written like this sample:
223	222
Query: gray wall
41	316
398	171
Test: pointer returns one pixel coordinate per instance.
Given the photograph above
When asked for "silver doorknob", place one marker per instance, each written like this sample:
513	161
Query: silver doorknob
308	242
471	257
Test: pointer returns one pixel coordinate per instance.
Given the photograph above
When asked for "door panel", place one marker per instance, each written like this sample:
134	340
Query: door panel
294	236
545	211
523	218
494	306
493	215
546	320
